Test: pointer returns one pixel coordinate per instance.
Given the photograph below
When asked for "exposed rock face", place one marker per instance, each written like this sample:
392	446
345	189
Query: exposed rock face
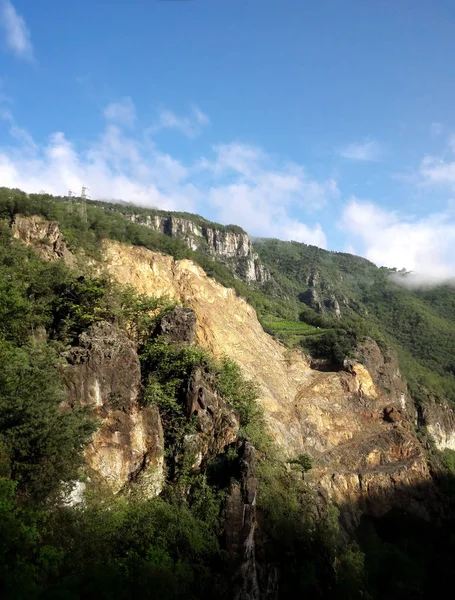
240	526
319	296
45	237
178	326
384	369
232	247
439	418
217	423
172	226
104	372
337	417
364	459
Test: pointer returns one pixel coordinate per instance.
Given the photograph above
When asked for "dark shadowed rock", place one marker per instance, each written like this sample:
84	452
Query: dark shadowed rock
178	326
240	527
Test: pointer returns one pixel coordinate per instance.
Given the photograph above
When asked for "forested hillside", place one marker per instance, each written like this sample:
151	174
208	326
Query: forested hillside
375	301
186	541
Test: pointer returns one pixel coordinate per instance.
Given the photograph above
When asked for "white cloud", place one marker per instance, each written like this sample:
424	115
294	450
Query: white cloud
235	183
200	117
437	171
16	31
424	246
122	111
249	188
366	151
115	167
190	126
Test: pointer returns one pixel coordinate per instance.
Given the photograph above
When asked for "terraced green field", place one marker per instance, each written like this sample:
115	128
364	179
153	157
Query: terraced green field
290	329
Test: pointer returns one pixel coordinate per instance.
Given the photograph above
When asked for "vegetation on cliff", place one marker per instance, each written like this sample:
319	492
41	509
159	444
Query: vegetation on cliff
174	546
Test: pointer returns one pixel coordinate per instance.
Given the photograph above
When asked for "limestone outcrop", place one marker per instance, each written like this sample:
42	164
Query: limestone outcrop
44	236
231	246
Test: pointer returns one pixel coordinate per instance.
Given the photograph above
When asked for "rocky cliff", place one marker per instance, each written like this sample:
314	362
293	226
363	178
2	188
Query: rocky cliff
231	246
44	236
103	372
358	425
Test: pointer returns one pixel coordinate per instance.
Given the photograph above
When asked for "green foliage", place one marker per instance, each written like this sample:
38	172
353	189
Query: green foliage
240	393
40	443
419	323
303	461
334	345
137	313
303	544
79	303
25	558
123	549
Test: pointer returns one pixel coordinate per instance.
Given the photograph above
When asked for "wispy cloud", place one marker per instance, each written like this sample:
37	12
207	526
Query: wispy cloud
424	246
17	34
365	151
251	188
190	126
122	111
17	133
233	183
438	170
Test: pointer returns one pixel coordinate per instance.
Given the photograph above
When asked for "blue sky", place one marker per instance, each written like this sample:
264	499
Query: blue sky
330	123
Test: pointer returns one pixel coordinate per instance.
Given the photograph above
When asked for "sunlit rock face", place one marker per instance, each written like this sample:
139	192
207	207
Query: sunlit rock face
232	247
357	424
44	236
103	372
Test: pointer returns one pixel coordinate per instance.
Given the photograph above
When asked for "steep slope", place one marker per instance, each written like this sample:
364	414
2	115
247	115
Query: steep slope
357	424
340	418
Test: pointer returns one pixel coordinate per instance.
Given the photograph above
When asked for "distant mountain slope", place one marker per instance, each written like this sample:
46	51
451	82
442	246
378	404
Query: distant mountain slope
323	301
420	323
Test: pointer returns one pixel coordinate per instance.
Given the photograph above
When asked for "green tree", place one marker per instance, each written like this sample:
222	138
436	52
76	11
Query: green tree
41	443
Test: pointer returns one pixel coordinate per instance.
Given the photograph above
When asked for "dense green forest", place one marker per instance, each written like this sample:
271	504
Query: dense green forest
172	546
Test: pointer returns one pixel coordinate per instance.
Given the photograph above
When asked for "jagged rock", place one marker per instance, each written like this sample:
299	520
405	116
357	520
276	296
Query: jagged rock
217	422
383	367
44	236
439	419
311	299
179	325
232	247
313	278
240	526
332	304
392	415
104	372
